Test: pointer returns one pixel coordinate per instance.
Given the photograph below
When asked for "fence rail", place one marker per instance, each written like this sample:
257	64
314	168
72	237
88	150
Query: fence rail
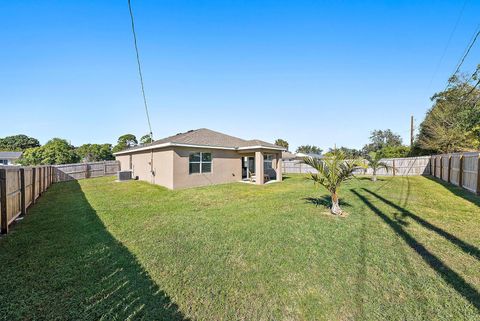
408	166
68	172
20	187
460	169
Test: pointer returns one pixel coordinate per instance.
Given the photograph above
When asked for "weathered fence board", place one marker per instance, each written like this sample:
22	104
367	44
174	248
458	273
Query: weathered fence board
408	166
461	169
68	172
20	187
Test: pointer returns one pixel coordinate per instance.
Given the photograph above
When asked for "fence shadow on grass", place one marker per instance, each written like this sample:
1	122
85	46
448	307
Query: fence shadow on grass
446	273
464	246
63	264
458	191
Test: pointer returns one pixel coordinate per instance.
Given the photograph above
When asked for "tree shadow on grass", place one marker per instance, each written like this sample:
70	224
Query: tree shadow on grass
458	191
446	273
63	264
464	246
324	201
369	178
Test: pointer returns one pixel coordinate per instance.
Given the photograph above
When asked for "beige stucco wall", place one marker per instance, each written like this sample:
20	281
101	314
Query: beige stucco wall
162	166
226	167
124	162
171	167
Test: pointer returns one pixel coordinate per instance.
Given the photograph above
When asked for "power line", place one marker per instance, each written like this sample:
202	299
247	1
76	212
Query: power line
448	43
467	51
140	69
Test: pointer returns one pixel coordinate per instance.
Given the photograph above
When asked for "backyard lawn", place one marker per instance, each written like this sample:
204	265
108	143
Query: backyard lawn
99	249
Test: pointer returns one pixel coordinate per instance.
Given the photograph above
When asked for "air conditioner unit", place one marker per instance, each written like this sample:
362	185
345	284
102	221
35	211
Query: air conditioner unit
124	175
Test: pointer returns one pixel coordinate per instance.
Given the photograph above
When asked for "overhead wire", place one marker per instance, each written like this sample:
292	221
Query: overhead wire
140	69
448	43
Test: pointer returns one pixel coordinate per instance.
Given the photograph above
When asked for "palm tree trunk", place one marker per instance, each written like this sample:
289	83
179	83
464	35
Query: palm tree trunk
336	210
374	176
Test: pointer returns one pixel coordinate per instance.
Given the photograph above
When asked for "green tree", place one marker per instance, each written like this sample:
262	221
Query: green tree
146	139
332	171
394	151
18	143
380	139
282	143
55	151
309	149
375	163
124	142
453	122
95	152
349	152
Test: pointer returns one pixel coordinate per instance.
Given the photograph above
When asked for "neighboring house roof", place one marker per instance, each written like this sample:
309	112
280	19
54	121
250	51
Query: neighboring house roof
302	155
204	137
288	155
10	155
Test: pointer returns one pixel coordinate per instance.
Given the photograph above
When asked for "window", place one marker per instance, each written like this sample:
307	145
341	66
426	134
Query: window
3	161
267	161
200	163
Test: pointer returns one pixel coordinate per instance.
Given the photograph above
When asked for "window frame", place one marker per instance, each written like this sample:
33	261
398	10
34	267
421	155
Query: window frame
200	162
268	161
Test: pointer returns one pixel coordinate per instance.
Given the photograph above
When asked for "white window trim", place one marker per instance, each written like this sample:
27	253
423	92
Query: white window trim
200	163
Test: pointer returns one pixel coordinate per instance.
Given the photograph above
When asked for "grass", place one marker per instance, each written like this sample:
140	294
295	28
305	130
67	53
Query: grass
98	249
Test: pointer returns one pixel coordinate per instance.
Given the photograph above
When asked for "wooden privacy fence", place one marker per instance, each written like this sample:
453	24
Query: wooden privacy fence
68	172
460	169
20	187
408	166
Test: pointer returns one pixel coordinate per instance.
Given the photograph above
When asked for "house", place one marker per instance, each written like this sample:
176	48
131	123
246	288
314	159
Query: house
203	157
288	156
9	158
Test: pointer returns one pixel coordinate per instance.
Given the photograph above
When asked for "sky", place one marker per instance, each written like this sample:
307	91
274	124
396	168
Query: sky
310	72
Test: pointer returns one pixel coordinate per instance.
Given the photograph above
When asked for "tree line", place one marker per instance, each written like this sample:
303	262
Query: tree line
451	125
60	151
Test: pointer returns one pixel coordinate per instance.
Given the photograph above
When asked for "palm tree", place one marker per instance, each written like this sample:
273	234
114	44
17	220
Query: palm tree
375	163
332	171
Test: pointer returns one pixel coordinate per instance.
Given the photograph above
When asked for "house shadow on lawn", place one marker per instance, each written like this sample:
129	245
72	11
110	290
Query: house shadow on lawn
456	190
455	280
63	264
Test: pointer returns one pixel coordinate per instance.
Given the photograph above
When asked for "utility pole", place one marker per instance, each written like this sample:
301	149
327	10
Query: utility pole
411	131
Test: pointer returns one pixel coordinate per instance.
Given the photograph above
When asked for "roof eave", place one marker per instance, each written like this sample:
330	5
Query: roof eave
151	147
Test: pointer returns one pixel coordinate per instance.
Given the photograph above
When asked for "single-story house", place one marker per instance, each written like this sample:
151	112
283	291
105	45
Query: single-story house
9	158
203	157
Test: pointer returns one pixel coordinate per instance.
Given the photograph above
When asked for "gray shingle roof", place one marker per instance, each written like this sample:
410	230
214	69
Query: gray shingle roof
207	137
10	155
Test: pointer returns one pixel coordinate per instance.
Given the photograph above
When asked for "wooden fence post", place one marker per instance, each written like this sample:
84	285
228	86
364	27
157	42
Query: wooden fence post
3	202
460	172
86	171
441	167
104	168
34	178
40	183
22	191
478	175
449	167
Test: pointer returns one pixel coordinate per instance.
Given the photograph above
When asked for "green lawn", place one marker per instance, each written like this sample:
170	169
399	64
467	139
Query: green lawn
99	249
